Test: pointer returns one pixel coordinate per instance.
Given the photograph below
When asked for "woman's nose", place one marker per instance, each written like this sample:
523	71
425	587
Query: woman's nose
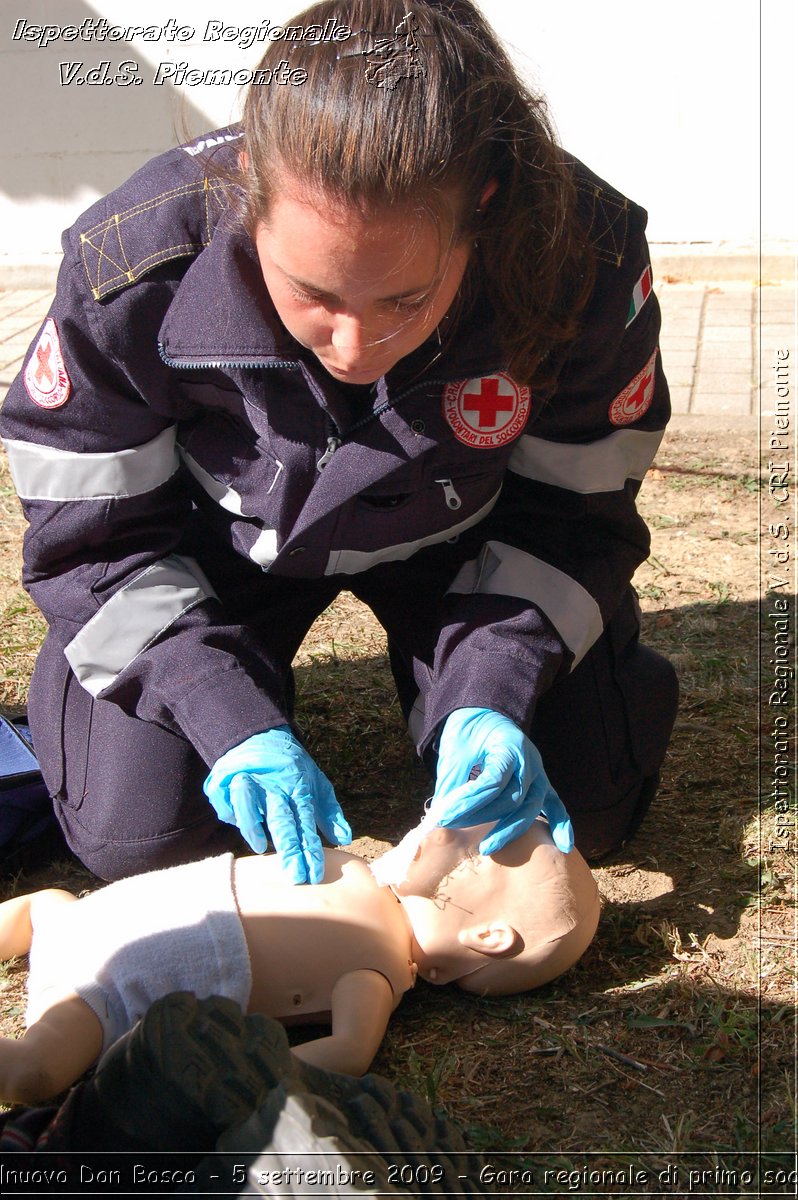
349	334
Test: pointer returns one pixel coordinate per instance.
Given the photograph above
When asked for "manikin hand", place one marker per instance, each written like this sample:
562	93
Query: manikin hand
270	780
488	770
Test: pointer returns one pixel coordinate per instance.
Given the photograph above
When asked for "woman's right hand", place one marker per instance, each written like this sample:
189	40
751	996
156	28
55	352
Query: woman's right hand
270	782
489	771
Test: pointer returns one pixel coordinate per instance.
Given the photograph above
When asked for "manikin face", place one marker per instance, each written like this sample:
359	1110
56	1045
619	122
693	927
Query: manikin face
452	895
361	294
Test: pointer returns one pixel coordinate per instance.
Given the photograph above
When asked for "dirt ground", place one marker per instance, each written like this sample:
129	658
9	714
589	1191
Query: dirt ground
671	1045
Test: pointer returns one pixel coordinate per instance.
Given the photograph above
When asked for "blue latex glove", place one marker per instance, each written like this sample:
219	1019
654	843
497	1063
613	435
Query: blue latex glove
488	770
271	780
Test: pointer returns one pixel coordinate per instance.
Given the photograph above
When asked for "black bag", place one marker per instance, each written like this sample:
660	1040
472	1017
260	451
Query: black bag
26	811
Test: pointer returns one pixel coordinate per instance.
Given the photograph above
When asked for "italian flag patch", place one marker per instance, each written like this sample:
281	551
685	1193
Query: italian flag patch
641	293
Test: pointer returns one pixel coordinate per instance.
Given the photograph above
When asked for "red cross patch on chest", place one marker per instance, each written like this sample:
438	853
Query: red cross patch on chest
46	378
487	411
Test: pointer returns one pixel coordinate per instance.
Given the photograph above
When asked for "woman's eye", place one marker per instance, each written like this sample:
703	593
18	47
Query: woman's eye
304	297
409	306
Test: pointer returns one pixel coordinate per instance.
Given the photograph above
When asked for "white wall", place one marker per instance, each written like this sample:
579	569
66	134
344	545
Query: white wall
659	98
665	100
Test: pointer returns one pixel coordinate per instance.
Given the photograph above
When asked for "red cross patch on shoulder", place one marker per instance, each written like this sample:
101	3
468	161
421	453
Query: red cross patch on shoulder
488	411
46	378
635	399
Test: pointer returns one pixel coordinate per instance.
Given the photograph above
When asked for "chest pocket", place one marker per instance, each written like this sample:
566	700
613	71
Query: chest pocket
395	492
456	488
462	488
387	523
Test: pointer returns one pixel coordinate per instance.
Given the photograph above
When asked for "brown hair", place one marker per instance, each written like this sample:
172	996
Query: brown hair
451	130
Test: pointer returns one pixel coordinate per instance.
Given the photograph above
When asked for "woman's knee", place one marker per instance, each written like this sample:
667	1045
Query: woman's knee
603	733
111	859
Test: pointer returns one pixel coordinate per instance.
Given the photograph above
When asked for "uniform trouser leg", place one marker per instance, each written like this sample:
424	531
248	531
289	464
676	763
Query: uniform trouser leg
128	793
602	731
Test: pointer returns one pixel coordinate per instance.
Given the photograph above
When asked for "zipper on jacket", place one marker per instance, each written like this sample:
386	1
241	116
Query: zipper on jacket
450	494
335	437
226	364
332	445
387	406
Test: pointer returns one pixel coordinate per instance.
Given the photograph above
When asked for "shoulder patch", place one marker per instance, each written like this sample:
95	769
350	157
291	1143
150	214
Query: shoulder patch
46	379
640	293
129	244
635	399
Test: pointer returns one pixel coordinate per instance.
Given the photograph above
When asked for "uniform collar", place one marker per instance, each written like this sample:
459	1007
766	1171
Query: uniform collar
222	313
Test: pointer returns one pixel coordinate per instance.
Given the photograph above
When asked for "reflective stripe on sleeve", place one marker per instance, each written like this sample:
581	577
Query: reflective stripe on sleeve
502	570
350	562
602	466
133	618
45	473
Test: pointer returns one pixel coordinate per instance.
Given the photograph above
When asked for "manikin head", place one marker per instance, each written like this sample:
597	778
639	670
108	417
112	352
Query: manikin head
497	924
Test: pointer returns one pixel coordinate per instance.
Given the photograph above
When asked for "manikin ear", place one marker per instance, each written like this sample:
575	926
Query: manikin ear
494	940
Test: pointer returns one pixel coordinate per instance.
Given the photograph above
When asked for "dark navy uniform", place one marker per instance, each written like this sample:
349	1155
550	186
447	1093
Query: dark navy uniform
199	489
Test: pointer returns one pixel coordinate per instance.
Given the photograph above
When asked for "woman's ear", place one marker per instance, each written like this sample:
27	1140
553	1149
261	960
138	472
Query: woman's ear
494	940
488	191
243	161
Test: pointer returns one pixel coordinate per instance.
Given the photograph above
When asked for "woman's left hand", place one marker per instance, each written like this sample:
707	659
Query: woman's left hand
489	771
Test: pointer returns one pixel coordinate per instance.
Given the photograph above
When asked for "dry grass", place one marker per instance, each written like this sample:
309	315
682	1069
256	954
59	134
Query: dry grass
21	625
673	1040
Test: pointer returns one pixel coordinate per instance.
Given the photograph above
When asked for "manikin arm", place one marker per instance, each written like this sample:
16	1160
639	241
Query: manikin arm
67	1038
52	1054
362	1003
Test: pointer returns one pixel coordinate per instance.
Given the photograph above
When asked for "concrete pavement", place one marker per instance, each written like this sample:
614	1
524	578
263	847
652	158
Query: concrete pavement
719	341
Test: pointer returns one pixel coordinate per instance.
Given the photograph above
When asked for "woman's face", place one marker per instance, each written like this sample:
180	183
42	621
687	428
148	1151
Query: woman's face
360	293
